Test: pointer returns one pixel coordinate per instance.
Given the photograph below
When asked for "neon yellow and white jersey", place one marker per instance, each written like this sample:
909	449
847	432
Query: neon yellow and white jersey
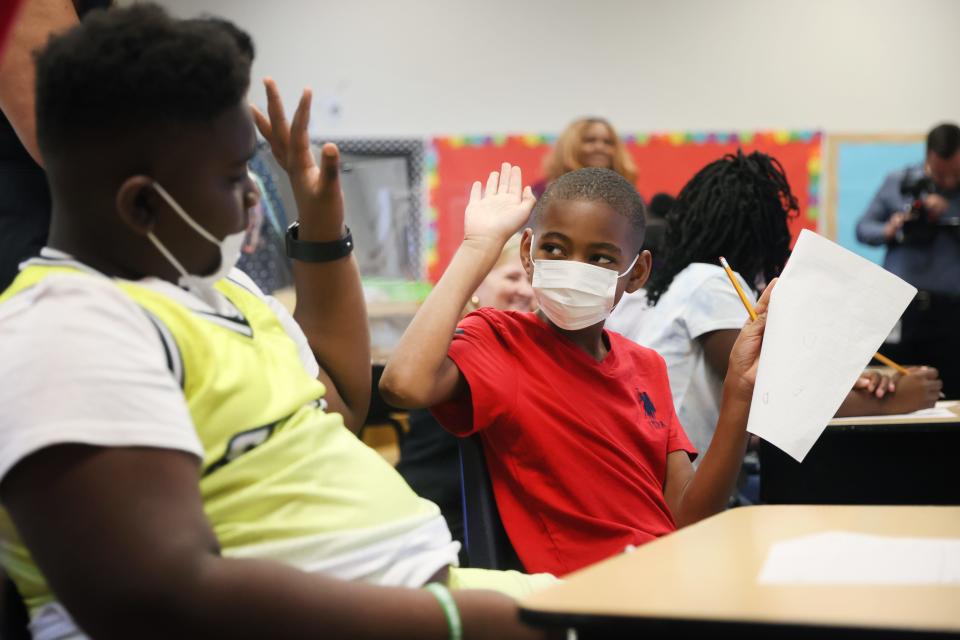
147	364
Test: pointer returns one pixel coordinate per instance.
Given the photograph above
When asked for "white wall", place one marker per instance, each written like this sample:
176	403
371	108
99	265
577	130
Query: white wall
415	67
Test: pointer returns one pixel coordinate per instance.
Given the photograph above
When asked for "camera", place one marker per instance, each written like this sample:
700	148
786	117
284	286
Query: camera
918	229
916	186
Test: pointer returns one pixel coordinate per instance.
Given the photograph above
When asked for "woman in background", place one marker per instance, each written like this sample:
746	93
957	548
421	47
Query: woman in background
429	455
586	142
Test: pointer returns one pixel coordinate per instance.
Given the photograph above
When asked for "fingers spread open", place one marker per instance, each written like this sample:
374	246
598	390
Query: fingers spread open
262	122
528	198
527	201
516	181
329	165
504	178
492	184
300	155
278	120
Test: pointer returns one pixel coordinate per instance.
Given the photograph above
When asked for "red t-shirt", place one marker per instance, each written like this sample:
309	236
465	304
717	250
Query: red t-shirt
577	449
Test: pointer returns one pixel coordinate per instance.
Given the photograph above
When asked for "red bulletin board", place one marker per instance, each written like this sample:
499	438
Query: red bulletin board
664	161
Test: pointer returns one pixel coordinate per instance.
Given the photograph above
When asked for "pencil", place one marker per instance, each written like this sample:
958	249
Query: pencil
753	316
736	285
898	367
890	363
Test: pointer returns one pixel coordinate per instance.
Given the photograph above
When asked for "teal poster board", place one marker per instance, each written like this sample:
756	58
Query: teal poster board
859	165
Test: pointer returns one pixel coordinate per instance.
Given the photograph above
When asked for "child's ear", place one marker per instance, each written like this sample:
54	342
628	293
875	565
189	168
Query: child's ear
526	252
133	204
640	272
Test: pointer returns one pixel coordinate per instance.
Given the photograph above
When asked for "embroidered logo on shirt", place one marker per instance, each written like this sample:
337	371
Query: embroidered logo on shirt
650	411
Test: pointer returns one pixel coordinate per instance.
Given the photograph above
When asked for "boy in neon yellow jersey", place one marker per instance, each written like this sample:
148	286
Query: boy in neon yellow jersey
173	455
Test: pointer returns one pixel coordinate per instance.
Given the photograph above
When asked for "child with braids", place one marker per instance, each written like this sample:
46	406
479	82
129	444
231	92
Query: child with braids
585	452
736	207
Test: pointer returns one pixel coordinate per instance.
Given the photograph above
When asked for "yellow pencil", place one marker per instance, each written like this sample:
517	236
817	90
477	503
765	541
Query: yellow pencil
890	363
736	285
753	316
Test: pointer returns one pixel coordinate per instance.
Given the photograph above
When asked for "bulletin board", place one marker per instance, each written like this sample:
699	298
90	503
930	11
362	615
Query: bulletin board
665	163
858	165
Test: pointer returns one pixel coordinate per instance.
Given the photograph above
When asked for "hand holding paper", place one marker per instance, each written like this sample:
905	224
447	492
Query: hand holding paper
746	351
829	314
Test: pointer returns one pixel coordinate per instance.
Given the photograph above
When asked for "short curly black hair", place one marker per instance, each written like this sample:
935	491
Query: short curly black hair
944	140
595	184
131	69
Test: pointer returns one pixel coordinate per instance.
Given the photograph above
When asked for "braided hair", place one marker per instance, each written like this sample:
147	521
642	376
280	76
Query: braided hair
736	207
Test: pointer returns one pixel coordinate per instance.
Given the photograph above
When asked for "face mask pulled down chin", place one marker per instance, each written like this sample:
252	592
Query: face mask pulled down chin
575	295
230	248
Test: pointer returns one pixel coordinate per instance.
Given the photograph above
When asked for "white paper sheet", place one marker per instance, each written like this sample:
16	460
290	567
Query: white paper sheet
829	313
940	413
837	557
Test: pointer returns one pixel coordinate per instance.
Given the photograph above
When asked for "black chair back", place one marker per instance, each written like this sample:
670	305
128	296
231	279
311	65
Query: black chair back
488	546
13	613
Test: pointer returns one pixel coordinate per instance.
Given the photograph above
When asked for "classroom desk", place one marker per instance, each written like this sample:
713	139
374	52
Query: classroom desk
702	580
878	461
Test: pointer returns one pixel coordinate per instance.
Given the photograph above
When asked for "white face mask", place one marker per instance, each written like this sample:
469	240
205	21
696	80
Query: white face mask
230	247
572	294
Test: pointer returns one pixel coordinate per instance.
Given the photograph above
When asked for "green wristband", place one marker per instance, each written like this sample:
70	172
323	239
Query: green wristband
442	594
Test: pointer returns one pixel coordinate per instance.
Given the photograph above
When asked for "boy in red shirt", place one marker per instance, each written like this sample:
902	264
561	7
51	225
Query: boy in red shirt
585	452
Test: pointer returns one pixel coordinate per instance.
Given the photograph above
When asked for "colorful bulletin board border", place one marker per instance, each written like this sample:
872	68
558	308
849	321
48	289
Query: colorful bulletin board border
665	162
858	163
455	161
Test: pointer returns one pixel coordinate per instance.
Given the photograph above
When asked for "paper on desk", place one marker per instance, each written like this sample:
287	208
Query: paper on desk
829	313
941	412
837	557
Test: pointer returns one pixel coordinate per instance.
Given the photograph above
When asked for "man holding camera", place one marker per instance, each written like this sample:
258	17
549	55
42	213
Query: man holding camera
916	214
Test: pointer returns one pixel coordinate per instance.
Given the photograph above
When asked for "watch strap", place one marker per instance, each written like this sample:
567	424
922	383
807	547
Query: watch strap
306	251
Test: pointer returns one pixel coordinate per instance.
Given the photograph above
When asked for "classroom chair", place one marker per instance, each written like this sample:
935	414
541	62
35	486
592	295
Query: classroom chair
13	613
488	546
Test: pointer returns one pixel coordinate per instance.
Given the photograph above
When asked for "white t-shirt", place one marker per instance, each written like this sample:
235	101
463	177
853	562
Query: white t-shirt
122	355
88	397
700	300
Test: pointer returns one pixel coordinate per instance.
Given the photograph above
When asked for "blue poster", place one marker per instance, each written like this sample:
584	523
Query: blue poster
861	168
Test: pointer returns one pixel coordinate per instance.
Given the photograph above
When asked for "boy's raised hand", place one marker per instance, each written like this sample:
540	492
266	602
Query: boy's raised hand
316	189
330	307
745	355
498	211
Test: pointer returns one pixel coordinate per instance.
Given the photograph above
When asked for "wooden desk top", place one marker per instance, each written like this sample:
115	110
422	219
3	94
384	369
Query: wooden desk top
708	573
951	406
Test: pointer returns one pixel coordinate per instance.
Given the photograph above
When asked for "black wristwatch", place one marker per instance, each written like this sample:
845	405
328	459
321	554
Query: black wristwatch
317	251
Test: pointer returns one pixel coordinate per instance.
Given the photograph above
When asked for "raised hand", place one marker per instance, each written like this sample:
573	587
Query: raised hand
499	211
316	189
